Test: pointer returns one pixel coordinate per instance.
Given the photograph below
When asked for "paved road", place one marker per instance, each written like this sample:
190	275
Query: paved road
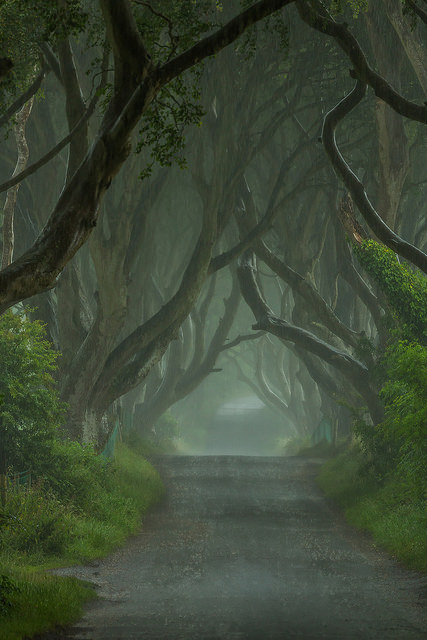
247	548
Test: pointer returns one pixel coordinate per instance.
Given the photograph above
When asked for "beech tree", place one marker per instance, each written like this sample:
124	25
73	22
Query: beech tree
110	339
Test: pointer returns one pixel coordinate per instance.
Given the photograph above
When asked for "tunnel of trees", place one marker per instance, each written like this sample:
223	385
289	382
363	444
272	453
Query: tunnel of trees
224	196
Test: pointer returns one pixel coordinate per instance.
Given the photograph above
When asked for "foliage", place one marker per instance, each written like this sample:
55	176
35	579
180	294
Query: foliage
24	26
34	521
398	445
404	426
8	588
83	508
405	290
31	410
272	33
163	125
169	29
70	523
74	473
389	511
356	6
383	485
39	602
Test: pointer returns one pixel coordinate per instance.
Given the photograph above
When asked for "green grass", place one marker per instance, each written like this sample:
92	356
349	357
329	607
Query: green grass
396	520
116	514
41	602
39	531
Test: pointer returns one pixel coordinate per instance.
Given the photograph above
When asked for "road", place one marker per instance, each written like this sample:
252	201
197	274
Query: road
245	548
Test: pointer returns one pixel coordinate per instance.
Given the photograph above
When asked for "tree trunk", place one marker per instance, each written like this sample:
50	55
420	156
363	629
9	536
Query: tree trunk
356	372
9	206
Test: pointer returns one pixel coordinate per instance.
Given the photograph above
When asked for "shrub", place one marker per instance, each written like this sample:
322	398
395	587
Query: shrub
75	473
34	521
8	588
30	410
397	446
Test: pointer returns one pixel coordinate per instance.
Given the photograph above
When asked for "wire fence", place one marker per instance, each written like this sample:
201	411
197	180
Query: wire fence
14	482
123	425
19	480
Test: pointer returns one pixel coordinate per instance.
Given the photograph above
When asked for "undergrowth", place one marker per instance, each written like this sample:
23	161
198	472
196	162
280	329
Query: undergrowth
84	514
388	510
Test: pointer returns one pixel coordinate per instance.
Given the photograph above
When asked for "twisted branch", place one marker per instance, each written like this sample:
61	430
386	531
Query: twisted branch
356	188
324	23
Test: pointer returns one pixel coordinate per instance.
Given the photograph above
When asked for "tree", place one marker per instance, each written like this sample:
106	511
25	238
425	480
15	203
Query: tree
111	338
30	410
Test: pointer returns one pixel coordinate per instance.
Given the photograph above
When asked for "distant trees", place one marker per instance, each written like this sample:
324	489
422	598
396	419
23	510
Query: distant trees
255	168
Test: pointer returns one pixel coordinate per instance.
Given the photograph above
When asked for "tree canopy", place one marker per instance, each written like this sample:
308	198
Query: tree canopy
161	143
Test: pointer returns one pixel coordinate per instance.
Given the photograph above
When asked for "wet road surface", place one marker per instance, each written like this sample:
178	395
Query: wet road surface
245	548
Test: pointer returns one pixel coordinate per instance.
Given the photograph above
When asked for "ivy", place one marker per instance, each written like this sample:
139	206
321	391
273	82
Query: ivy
398	444
405	290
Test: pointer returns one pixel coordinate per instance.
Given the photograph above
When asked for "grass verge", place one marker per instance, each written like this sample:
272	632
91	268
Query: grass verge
40	602
89	515
396	520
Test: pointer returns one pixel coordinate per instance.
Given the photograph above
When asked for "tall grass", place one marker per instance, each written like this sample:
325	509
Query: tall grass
41	602
69	523
387	510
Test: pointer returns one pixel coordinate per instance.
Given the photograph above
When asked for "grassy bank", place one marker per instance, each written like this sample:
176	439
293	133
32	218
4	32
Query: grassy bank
388	510
95	506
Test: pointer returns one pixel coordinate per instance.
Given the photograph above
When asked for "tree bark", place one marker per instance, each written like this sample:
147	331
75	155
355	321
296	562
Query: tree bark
10	204
393	151
412	45
76	212
356	372
353	184
315	14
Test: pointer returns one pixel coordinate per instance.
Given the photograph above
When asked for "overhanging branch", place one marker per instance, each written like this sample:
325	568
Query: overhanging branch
323	22
356	188
354	370
24	97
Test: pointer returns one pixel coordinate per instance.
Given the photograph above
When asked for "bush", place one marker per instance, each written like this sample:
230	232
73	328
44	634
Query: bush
34	522
75	474
30	410
8	588
387	510
397	446
88	514
382	485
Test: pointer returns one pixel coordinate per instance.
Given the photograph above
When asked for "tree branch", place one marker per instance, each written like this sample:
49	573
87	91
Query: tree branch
416	9
354	370
77	209
242	338
24	97
356	188
9	206
224	36
302	287
348	43
54	151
